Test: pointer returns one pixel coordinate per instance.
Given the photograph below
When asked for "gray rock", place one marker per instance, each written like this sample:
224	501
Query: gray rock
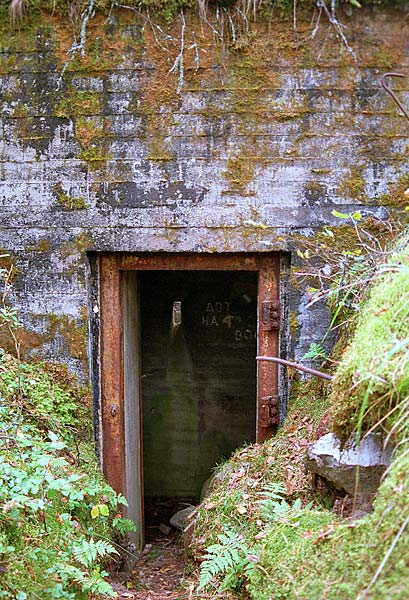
182	518
210	484
354	469
164	529
207	488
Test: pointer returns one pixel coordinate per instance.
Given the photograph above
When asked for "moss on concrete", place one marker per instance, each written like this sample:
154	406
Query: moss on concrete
239	173
294	323
78	246
353	185
78	103
397	195
88	129
73	331
9	262
69	202
96	155
42	245
28	340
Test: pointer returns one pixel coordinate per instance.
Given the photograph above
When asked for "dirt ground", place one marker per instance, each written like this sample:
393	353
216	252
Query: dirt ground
158	574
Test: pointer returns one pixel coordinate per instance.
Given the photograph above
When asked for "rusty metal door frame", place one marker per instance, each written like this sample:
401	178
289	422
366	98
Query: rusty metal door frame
112	268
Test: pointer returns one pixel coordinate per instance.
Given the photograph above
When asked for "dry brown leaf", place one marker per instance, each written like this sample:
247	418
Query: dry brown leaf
324	534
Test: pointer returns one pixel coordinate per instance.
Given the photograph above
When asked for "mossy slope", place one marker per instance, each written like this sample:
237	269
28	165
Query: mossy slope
309	553
373	377
58	516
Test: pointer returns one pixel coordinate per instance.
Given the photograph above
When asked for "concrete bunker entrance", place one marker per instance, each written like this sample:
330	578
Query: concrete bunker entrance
180	387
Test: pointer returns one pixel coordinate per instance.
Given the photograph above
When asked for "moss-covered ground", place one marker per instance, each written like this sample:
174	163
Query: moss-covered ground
265	532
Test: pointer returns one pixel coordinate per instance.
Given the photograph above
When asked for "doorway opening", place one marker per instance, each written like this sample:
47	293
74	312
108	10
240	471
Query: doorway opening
198	373
180	387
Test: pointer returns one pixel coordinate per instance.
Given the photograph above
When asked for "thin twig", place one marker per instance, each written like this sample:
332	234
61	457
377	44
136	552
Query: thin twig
195	47
335	23
178	65
317	25
392	93
233	30
294	365
75	46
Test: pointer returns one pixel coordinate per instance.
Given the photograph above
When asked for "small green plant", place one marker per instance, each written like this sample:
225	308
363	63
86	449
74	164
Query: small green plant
55	521
315	352
228	558
274	507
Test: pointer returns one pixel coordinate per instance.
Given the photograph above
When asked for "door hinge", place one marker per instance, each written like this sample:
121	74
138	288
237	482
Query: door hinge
270	315
268	411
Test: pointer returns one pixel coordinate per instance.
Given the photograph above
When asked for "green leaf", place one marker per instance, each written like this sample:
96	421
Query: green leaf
339	215
42	461
123	526
99	509
328	232
297	505
95	511
122	500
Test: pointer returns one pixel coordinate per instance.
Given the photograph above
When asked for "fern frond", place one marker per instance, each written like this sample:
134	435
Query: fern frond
274	491
87	551
222	557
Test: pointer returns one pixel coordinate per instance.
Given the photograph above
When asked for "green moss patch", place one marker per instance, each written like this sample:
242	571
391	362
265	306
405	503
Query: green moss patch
69	202
78	103
398	194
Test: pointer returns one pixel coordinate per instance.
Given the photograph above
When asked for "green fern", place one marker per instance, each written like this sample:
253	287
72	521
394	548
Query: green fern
274	491
273	507
315	352
96	585
225	558
87	551
93	582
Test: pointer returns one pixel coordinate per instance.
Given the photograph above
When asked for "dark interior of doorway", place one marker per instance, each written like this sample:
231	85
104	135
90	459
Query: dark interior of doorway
198	348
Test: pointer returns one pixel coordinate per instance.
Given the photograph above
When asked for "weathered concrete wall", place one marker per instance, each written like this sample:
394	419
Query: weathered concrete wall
266	138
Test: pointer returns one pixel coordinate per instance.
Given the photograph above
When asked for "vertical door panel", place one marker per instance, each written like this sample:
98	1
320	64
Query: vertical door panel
268	345
112	409
132	404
